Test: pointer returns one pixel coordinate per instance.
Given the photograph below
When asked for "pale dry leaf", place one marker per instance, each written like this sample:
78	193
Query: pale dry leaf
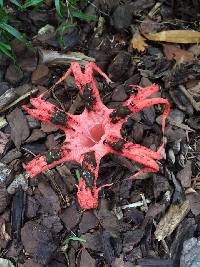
3	234
195	90
3	122
6	263
174	123
194	200
175	36
180	55
20	99
3	141
171	220
138	42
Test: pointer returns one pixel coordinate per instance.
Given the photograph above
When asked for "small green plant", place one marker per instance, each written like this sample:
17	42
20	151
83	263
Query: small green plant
7	32
67	11
78	175
66	242
27	4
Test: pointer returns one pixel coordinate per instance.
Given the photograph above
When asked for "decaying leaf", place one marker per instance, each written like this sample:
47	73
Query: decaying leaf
16	100
6	263
194	199
3	122
175	36
138	42
174	123
195	90
3	141
4	236
171	220
19	126
171	51
50	57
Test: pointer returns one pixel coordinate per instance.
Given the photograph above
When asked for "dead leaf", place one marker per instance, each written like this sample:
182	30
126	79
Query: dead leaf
149	25
184	175
175	36
86	259
171	220
3	142
195	90
180	55
19	127
4	236
9	105
3	122
35	135
138	42
194	200
6	263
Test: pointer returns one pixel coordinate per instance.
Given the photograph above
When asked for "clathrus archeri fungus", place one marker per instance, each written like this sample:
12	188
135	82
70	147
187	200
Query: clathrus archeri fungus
94	133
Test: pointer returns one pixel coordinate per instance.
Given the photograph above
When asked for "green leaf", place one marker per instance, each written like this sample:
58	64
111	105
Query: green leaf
1	3
31	3
7	50
61	29
3	15
58	8
74	2
15	2
74	238
14	32
78	175
83	16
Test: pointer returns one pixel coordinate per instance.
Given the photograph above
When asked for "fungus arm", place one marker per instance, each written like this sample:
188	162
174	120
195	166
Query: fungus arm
87	189
86	84
49	113
47	161
146	103
137	102
140	154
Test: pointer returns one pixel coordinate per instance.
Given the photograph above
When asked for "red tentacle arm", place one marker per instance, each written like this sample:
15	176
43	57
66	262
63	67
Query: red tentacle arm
144	92
136	152
86	83
146	103
49	113
87	189
137	102
48	161
143	156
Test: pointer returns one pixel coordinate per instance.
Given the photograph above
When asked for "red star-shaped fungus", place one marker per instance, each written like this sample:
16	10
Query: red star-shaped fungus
94	133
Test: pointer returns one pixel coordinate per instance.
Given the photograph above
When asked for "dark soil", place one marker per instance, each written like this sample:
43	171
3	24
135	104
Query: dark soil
40	218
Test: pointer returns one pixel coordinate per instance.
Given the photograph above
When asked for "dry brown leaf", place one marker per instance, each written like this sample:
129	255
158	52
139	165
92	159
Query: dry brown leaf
3	141
180	55
195	90
175	36
171	220
138	42
3	122
194	199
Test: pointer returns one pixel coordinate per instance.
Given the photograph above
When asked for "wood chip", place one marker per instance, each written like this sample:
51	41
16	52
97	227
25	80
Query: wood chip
171	220
19	127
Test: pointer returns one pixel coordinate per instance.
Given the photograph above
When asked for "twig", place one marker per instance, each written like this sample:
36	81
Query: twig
195	104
